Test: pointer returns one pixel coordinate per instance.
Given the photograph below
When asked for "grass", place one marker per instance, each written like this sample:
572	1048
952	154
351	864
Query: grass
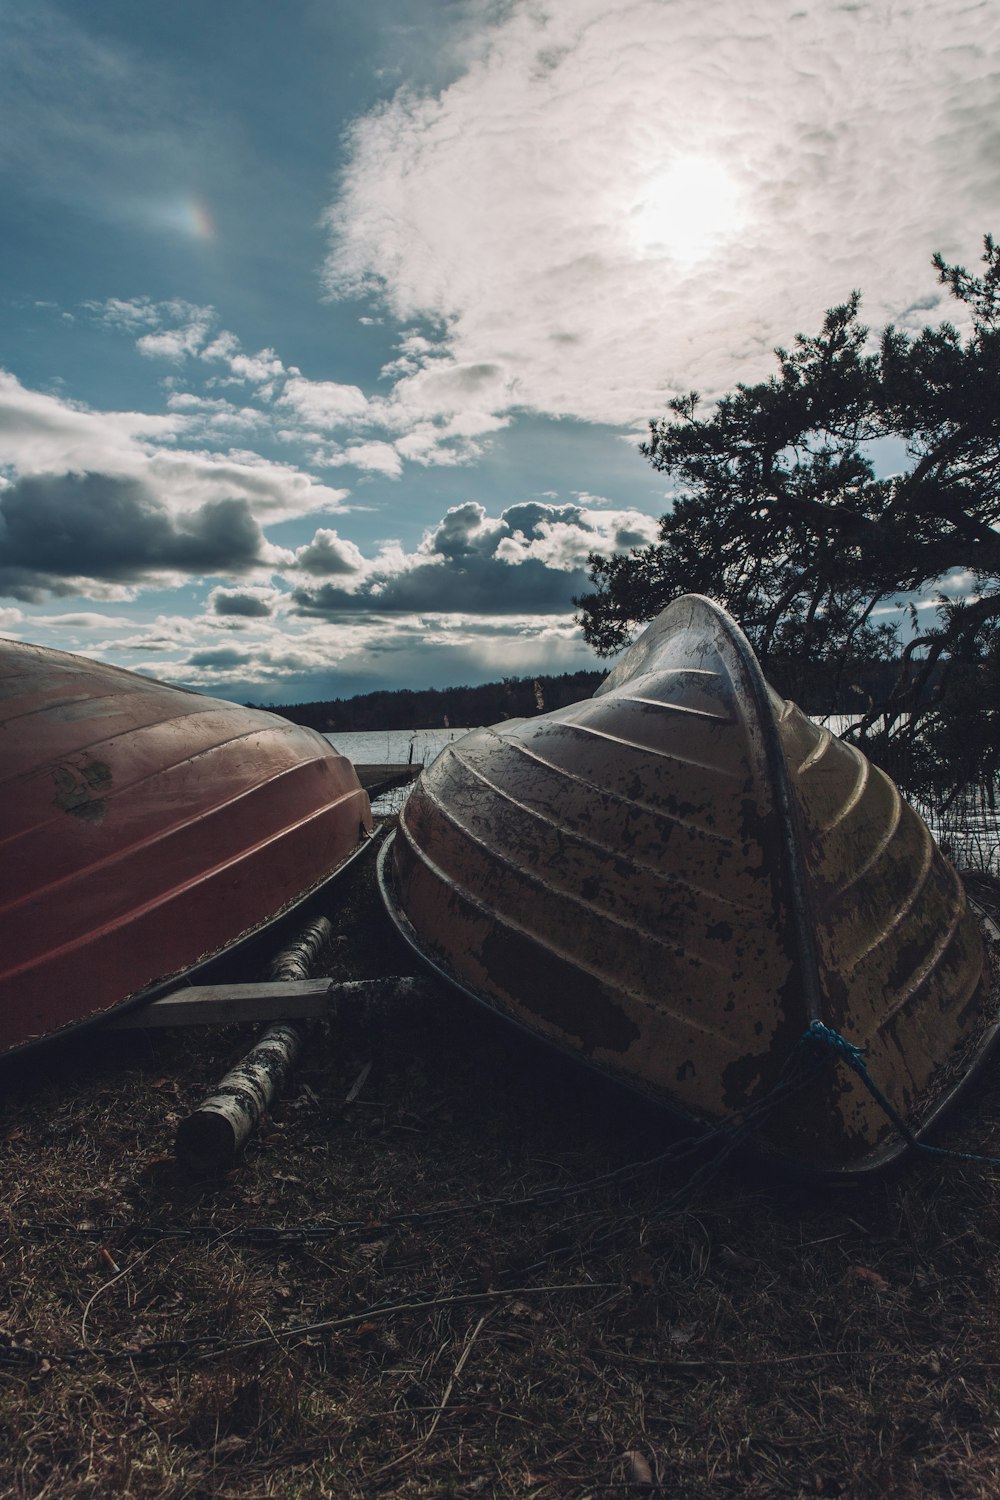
967	826
774	1338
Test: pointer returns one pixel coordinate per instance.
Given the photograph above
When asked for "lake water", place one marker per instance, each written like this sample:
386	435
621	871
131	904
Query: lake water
393	747
969	831
971	834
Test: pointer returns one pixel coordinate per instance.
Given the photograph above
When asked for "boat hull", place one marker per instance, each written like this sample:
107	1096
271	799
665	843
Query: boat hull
673	879
144	830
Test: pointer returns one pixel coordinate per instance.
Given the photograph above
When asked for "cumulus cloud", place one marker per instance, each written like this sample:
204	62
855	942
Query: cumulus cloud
445	389
210	416
135	314
329	554
323	403
260	367
437	411
39	433
612	203
176	330
42	434
239	605
375	458
60	533
171	330
531	559
174	343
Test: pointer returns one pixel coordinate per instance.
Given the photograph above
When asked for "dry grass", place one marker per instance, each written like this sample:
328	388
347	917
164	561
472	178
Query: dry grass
775	1338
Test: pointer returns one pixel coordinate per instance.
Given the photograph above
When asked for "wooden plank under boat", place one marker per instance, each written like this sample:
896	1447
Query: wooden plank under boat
674	878
145	829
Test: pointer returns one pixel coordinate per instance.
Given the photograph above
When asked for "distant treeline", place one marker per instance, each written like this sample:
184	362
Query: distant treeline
818	688
435	708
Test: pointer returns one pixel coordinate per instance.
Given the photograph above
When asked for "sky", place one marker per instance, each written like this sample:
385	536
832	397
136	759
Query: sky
330	330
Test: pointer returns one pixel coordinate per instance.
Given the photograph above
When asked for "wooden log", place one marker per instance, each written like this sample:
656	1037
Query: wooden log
211	1138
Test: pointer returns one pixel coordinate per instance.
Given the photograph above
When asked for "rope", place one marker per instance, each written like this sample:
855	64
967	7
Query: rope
825	1036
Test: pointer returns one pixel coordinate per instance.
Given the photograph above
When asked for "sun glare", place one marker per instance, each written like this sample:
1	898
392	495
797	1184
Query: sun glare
688	210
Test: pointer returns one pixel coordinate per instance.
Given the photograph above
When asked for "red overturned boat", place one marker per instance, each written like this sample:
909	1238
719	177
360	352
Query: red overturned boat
145	830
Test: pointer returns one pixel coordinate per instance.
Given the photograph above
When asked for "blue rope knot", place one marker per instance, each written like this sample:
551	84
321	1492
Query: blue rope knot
854	1056
816	1031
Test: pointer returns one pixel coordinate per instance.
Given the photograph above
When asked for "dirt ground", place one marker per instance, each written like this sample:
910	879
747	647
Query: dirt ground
435	1335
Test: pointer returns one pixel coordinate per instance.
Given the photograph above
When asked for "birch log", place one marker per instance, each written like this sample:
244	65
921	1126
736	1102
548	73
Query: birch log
211	1138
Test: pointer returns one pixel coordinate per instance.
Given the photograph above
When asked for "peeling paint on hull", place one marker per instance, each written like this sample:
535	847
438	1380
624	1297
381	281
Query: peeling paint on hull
144	829
674	878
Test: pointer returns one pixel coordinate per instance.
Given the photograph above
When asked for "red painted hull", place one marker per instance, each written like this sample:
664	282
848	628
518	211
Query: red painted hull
145	829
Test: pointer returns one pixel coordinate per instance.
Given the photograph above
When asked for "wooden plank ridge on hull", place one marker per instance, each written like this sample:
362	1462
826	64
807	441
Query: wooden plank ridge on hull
673	879
144	831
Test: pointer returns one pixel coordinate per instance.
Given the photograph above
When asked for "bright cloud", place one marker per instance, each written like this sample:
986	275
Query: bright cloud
374	457
173	343
330	555
44	435
437	411
315	658
614	203
323	403
531	559
96	503
262	366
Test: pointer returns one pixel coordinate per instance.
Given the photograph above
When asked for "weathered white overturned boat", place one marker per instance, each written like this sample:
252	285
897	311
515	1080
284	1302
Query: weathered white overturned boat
674	878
